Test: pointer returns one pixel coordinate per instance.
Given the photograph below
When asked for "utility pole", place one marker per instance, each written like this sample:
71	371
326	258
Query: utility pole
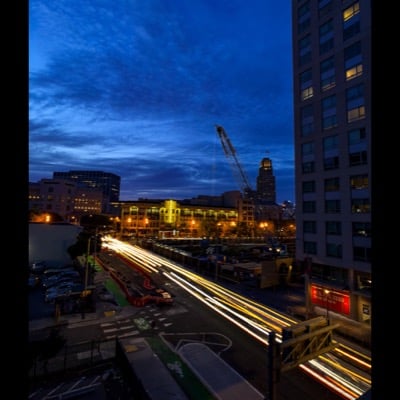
273	366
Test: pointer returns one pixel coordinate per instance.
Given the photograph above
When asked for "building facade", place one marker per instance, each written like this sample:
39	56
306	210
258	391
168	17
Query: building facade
332	114
171	218
108	183
266	188
65	198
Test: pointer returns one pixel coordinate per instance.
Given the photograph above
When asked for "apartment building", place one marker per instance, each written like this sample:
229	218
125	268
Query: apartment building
332	119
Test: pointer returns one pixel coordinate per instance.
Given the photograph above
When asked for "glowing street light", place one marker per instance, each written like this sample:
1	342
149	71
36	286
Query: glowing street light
326	291
192	223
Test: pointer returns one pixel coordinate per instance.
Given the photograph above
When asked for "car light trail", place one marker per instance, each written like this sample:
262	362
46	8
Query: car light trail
255	319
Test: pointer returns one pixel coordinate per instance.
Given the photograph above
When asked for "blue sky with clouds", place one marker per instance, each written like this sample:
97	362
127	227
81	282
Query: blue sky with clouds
137	87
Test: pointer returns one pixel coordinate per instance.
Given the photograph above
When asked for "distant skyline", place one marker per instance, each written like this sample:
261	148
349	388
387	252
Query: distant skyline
136	89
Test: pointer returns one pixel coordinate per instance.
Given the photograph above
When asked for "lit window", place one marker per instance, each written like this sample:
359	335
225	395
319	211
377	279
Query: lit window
355	114
351	11
307	93
353	72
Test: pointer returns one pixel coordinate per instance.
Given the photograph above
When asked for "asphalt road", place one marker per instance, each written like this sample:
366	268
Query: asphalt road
185	320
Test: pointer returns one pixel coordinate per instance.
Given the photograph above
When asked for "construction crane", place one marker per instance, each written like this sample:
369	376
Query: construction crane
237	169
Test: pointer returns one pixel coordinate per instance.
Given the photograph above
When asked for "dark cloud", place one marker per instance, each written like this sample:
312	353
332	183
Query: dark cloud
136	88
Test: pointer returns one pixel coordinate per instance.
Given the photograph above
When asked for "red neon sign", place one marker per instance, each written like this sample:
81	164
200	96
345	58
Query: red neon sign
334	300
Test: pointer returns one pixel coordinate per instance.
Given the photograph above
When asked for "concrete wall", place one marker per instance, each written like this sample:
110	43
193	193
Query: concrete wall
49	243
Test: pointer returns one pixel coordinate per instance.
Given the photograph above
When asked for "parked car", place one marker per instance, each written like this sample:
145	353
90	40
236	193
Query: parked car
47	282
53	294
62	290
56	271
60	281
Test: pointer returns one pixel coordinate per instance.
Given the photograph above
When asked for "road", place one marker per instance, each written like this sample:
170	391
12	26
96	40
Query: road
185	320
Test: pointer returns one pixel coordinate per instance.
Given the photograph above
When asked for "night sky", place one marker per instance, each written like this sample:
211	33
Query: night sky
136	88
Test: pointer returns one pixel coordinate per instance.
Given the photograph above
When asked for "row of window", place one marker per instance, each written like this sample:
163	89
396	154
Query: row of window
359	229
353	68
358	206
330	163
340	276
335	250
355	110
357	182
350	27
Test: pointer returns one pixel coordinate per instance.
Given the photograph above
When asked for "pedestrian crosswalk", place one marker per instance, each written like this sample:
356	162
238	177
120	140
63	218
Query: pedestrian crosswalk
149	319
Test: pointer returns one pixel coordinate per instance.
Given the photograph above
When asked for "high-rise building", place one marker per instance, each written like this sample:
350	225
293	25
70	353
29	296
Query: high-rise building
332	118
109	183
266	191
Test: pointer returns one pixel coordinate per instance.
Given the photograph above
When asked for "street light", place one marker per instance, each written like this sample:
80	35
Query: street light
192	223
87	265
85	289
326	291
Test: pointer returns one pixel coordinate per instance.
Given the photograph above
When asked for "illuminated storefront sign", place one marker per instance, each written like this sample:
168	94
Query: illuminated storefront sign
333	300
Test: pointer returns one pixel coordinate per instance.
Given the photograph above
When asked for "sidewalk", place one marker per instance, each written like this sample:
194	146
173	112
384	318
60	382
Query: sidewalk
104	310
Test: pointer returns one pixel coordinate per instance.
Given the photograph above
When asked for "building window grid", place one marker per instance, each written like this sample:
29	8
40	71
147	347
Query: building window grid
329	122
309	247
333	227
334	250
309	227
331	163
327	74
308	187
329	117
362	253
332	184
358	158
330	143
361	229
324	7
353	61
354	72
309	207
307	120
351	21
356	136
360	206
303	17
308	167
351	11
332	206
356	114
326	39
307	148
359	182
305	50
307	93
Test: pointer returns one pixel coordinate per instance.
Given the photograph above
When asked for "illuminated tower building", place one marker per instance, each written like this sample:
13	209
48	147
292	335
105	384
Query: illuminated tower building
266	192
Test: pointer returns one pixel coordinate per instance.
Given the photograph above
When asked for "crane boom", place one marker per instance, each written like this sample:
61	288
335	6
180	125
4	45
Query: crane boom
237	169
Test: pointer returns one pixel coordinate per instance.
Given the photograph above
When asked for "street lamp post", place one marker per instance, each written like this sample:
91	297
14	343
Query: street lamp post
84	292
87	264
326	291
